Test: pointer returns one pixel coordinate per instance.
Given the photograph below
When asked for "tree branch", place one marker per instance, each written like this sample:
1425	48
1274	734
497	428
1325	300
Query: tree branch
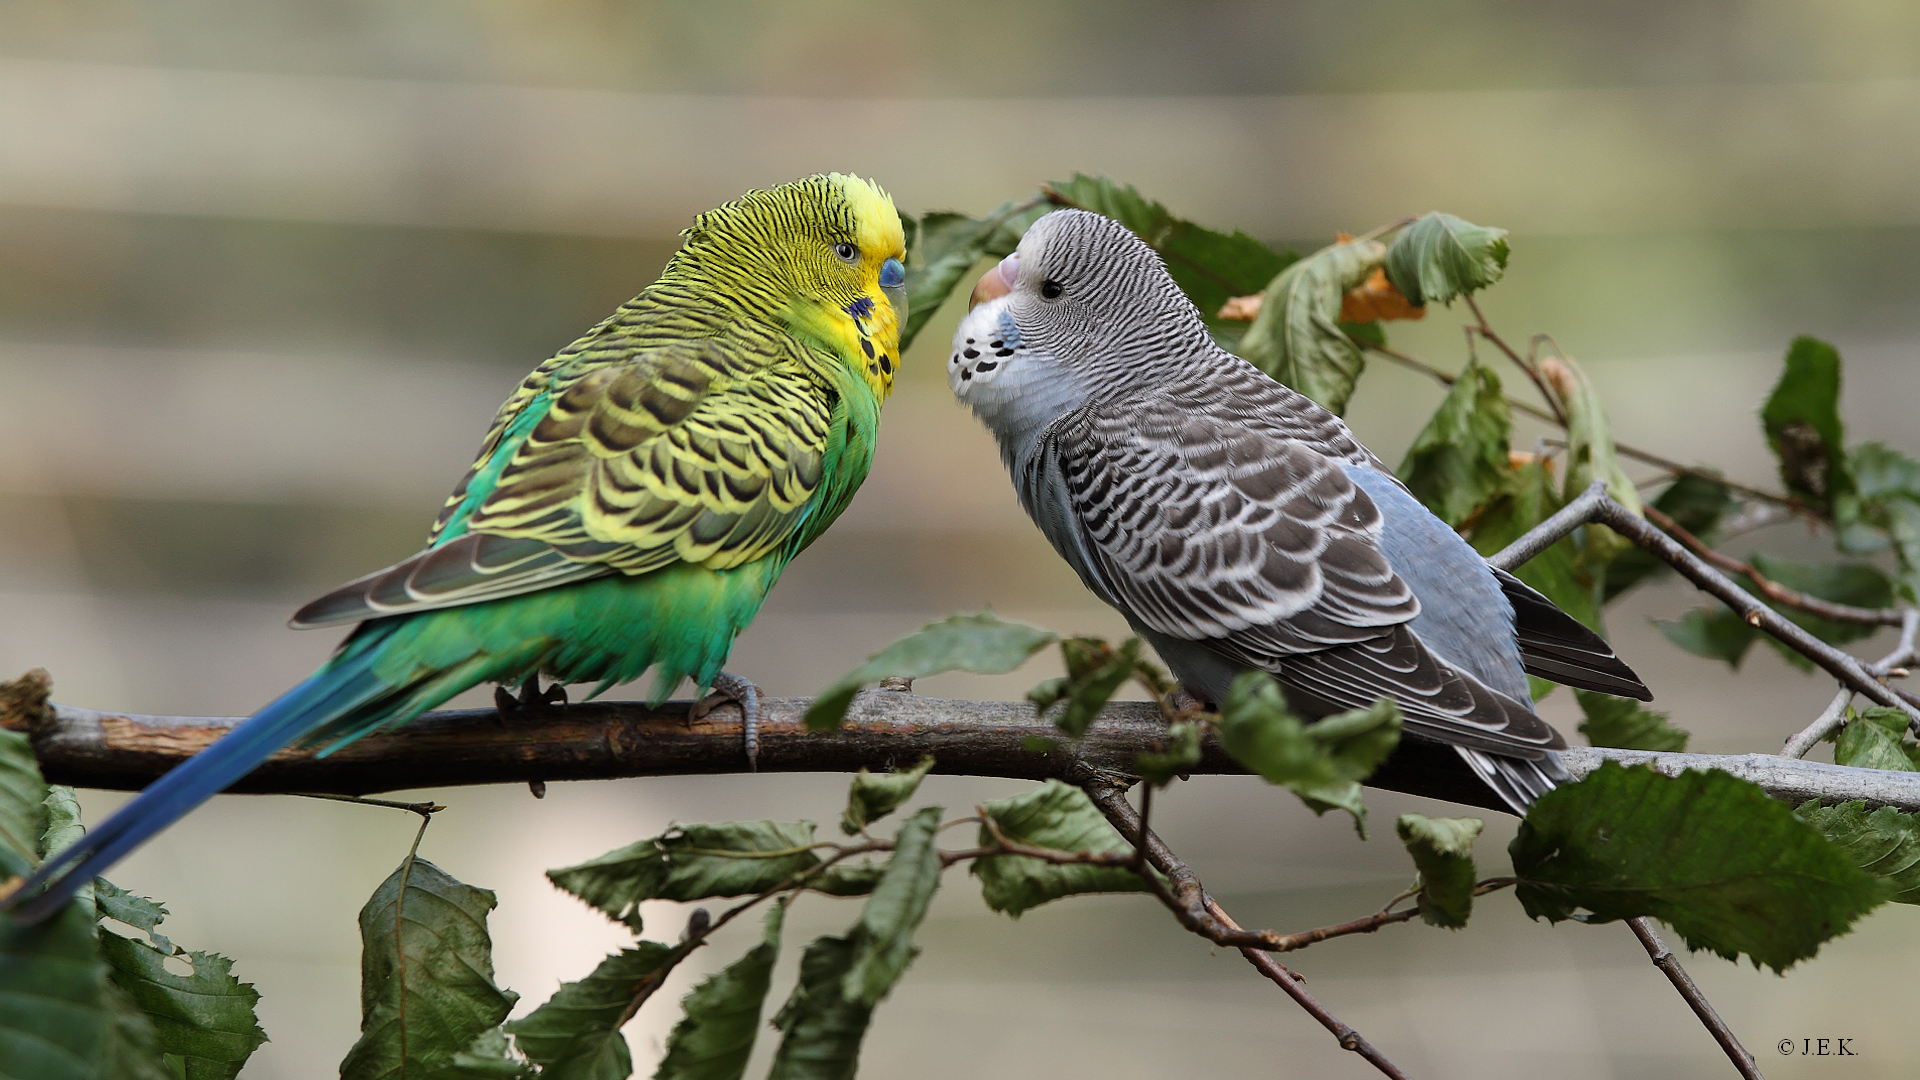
1595	506
1669	966
1204	916
1671	466
1773	590
610	740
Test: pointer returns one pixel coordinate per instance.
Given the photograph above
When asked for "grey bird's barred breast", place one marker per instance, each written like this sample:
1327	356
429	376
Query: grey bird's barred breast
1235	523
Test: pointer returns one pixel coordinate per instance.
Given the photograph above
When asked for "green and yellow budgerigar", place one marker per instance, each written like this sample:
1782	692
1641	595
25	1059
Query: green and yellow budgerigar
633	503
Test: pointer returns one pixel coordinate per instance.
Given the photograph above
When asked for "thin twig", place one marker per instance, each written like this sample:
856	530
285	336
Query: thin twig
1644	456
421	808
1669	964
399	910
1835	714
1594	506
1368	924
1112	802
1486	331
1830	718
1773	590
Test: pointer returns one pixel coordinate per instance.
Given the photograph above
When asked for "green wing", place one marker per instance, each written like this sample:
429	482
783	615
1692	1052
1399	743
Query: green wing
690	452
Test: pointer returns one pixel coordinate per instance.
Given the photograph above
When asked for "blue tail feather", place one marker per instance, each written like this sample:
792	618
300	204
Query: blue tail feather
342	686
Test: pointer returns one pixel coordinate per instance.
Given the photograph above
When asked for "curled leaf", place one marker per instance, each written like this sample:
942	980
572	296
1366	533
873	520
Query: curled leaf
1439	257
979	643
1376	300
1297	337
872	797
1322	762
1056	816
1442	849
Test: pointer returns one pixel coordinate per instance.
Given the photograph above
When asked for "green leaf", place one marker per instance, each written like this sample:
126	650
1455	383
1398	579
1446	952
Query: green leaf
1440	257
1095	670
1697	504
1458	463
1442	848
884	934
575	1035
1711	855
1883	510
1182	753
23	815
943	246
715	1038
139	912
1718	634
1210	267
1590	454
61	1017
426	979
692	862
204	1021
823	1029
1874	739
488	1057
978	643
1297	339
58	1012
1323	762
1857	584
1879	470
1713	633
130	1050
1802	422
1884	843
1626	724
847	879
63	826
1059	817
1562	573
206	1018
873	797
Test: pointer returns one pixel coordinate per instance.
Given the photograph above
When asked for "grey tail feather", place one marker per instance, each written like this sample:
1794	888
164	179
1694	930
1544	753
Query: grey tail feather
1556	646
1518	781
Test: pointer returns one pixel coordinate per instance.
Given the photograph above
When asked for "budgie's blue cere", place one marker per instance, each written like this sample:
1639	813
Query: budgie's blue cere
1239	525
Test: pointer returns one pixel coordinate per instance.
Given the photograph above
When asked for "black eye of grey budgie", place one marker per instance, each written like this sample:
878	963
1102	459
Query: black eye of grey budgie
1239	525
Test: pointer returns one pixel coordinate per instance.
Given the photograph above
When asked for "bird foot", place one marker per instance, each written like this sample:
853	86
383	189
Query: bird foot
730	687
1184	701
531	697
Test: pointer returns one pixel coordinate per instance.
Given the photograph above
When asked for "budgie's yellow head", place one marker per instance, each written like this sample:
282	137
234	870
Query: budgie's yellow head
825	255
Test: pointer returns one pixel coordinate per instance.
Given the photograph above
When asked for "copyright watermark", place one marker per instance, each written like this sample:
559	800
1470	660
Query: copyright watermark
1817	1047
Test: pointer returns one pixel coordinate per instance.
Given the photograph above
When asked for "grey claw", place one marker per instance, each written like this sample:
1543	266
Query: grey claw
730	687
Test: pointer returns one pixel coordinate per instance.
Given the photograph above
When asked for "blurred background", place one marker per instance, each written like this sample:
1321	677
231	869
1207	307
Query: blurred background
266	270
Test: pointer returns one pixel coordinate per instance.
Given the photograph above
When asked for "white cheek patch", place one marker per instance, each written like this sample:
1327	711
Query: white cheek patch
986	343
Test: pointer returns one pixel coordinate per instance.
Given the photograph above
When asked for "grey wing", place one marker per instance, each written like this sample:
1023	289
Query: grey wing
1207	530
1263	549
465	570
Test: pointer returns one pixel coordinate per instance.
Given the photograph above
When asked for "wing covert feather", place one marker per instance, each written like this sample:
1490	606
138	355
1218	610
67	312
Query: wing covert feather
685	453
1216	530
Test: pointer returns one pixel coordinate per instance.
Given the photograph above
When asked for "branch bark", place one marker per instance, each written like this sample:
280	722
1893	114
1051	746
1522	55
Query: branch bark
609	740
1595	506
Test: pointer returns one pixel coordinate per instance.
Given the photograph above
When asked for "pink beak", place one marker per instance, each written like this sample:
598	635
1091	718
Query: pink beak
996	282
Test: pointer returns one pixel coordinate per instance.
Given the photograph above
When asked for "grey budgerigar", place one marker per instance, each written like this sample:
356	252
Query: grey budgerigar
1239	525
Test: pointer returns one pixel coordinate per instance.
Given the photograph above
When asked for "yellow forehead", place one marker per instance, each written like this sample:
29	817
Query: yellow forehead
877	221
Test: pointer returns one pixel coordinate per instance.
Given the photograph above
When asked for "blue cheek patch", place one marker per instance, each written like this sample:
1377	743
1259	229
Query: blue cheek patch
1008	335
892	274
861	309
